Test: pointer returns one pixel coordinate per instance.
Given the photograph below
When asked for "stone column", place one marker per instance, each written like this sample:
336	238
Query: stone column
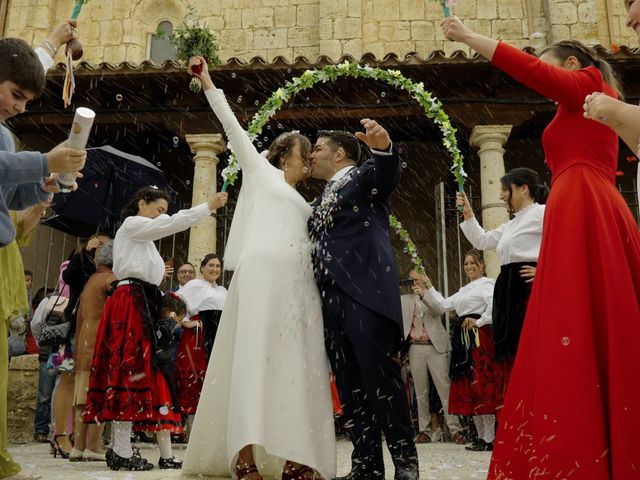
490	139
206	148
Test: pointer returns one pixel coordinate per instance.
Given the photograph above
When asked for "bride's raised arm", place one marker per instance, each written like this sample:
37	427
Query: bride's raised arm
244	150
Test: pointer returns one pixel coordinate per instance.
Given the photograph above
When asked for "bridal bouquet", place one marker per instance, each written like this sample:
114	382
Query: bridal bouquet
192	39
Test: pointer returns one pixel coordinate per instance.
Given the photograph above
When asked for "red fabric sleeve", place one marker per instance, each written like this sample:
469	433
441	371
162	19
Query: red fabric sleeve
561	85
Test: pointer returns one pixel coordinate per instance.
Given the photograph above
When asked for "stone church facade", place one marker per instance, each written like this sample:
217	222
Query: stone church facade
322	31
116	30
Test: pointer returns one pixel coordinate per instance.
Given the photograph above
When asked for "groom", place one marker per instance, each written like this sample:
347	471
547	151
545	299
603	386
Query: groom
356	273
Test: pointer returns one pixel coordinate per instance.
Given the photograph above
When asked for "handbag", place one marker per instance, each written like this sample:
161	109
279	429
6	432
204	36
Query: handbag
56	328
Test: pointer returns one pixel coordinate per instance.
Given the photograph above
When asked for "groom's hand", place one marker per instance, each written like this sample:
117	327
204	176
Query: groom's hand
376	137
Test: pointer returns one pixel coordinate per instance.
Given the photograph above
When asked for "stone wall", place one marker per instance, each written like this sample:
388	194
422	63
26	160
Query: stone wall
23	393
118	30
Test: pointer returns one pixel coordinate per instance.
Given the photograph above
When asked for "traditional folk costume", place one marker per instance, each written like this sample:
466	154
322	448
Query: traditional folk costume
204	304
124	386
517	243
472	369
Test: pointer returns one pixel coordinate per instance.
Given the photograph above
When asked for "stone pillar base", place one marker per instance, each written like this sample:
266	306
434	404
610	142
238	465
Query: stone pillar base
23	395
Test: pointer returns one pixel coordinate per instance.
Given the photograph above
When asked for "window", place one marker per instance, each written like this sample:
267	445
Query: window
161	47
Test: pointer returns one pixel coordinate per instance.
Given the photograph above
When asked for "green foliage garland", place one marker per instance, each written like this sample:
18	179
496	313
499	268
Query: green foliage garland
431	105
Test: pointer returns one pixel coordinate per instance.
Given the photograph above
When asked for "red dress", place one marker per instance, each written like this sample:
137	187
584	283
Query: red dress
123	385
191	367
573	404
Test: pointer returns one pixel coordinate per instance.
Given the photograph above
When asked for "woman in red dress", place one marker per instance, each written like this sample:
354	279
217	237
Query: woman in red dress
573	404
205	300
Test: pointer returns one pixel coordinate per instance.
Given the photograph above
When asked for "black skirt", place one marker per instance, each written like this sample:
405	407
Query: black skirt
510	299
461	365
210	321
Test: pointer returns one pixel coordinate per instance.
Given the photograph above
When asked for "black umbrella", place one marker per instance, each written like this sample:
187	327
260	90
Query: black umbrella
111	177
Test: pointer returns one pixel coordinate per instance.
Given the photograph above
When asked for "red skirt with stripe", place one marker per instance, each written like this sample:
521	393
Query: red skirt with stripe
475	395
190	369
122	385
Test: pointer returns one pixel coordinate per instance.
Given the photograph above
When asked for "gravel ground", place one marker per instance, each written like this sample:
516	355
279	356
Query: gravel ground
438	461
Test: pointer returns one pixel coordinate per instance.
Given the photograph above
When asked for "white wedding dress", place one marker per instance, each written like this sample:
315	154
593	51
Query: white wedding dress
267	383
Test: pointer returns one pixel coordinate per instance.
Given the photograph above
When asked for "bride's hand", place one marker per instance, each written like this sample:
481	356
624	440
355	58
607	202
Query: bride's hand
198	68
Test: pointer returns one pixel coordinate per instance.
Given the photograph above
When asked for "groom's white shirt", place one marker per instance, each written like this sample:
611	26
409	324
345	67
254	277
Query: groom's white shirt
341	173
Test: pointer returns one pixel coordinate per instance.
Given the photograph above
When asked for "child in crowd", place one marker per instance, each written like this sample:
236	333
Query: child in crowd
25	180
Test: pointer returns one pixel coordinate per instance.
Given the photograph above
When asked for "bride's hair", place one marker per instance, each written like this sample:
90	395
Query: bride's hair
284	143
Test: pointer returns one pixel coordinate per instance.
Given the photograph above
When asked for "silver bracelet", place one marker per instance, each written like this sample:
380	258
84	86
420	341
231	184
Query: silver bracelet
46	43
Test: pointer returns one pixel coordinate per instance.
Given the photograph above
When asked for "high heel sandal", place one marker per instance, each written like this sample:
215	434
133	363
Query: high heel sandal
243	473
56	449
299	473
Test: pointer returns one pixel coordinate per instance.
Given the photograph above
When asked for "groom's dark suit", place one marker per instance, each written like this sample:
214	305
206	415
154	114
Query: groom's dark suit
357	276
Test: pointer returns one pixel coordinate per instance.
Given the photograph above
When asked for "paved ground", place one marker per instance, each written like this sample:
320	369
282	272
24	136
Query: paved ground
438	461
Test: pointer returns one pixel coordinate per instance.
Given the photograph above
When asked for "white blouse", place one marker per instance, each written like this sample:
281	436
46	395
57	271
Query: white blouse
134	253
517	240
474	298
200	295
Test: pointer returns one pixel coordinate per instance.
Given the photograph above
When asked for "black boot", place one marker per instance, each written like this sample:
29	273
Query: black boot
359	472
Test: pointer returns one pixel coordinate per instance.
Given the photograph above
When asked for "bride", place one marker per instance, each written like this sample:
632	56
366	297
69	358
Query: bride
265	407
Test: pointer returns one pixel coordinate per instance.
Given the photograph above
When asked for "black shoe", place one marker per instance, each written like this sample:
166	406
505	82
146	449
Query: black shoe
480	445
407	473
135	463
360	473
167	463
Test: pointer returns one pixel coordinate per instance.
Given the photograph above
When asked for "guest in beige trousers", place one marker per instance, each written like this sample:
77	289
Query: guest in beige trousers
428	353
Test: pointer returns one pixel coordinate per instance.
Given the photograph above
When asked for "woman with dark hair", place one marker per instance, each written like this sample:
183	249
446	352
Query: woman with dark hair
517	243
205	301
123	386
266	402
471	370
574	360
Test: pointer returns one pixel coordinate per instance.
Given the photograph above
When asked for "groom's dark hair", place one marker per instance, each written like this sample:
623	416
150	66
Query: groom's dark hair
345	140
